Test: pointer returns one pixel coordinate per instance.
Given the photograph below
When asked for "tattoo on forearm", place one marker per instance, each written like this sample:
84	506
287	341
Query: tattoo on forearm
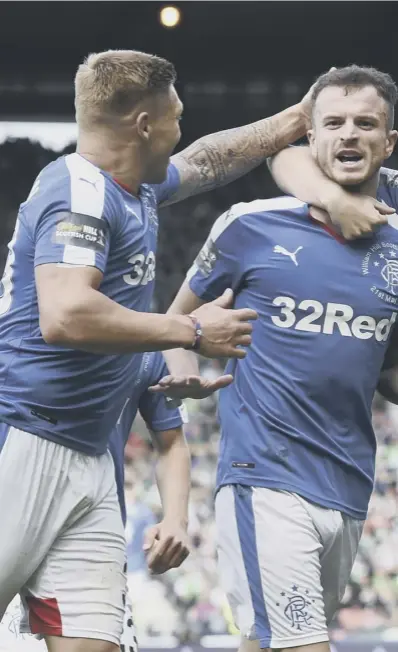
222	157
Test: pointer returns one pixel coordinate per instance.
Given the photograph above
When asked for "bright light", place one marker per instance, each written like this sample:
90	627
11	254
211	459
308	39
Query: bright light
170	16
52	135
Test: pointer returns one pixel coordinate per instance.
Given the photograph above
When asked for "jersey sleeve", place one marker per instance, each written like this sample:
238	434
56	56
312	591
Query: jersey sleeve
72	218
388	187
159	412
165	190
220	263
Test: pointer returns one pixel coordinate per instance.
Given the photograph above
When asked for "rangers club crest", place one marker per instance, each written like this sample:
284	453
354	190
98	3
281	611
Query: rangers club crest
382	258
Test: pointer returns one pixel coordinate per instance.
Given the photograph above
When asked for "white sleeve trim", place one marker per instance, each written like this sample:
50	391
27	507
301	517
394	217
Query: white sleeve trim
247	208
87	186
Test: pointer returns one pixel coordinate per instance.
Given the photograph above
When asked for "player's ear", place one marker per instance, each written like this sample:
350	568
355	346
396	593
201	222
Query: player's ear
311	141
143	127
391	142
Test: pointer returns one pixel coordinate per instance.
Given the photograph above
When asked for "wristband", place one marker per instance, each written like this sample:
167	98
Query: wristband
198	335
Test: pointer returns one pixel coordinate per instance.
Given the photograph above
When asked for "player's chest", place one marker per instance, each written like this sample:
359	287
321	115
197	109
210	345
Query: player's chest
317	281
131	266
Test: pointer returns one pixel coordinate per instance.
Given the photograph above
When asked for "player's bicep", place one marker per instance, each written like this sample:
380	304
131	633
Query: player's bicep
60	288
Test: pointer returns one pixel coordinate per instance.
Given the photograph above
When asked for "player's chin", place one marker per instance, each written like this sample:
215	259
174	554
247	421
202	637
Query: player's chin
350	177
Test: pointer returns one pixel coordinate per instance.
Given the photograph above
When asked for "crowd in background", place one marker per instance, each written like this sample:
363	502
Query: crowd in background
188	601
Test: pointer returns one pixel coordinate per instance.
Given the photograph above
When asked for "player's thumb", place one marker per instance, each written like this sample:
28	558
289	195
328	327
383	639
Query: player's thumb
383	208
225	300
221	382
149	538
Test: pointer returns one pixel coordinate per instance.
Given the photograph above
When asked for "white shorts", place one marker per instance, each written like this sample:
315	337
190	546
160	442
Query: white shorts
284	563
11	640
62	546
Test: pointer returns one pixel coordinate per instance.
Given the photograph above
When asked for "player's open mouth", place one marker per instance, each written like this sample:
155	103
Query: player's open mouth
349	158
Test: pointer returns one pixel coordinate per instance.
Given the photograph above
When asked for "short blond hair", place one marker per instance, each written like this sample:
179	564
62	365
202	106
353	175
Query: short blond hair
110	84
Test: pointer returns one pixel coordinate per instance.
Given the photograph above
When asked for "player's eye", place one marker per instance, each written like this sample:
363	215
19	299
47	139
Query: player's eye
333	123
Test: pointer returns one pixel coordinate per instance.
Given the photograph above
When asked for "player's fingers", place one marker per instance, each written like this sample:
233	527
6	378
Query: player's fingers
225	300
182	381
150	537
243	328
160	558
380	219
169	381
156	389
243	340
174	382
234	352
246	314
383	208
176	555
179	556
161	547
163	382
219	383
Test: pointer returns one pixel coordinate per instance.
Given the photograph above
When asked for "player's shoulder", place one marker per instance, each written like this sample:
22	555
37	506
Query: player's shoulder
272	205
67	171
258	208
162	192
388	187
70	183
388	178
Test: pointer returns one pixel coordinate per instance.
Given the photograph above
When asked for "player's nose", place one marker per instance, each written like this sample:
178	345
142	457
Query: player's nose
348	132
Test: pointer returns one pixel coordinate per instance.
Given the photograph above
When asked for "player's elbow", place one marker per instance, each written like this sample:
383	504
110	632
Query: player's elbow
61	326
52	331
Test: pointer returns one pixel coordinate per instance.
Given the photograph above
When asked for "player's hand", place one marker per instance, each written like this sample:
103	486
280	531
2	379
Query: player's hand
190	386
166	546
356	215
224	330
306	104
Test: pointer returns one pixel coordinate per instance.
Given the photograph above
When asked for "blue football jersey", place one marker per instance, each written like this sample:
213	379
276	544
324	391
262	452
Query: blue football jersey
78	215
158	412
298	415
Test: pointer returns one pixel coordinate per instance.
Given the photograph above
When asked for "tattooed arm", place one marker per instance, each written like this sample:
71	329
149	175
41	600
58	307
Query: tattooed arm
220	158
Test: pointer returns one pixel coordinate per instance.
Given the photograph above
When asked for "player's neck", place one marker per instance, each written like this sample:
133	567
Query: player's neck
368	188
113	156
319	215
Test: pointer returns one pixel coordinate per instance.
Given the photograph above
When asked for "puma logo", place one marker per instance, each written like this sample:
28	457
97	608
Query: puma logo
284	252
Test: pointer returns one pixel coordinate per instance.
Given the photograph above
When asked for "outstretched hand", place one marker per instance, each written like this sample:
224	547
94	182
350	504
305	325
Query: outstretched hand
190	386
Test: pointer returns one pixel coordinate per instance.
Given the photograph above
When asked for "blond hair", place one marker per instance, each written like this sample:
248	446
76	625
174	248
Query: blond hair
110	84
